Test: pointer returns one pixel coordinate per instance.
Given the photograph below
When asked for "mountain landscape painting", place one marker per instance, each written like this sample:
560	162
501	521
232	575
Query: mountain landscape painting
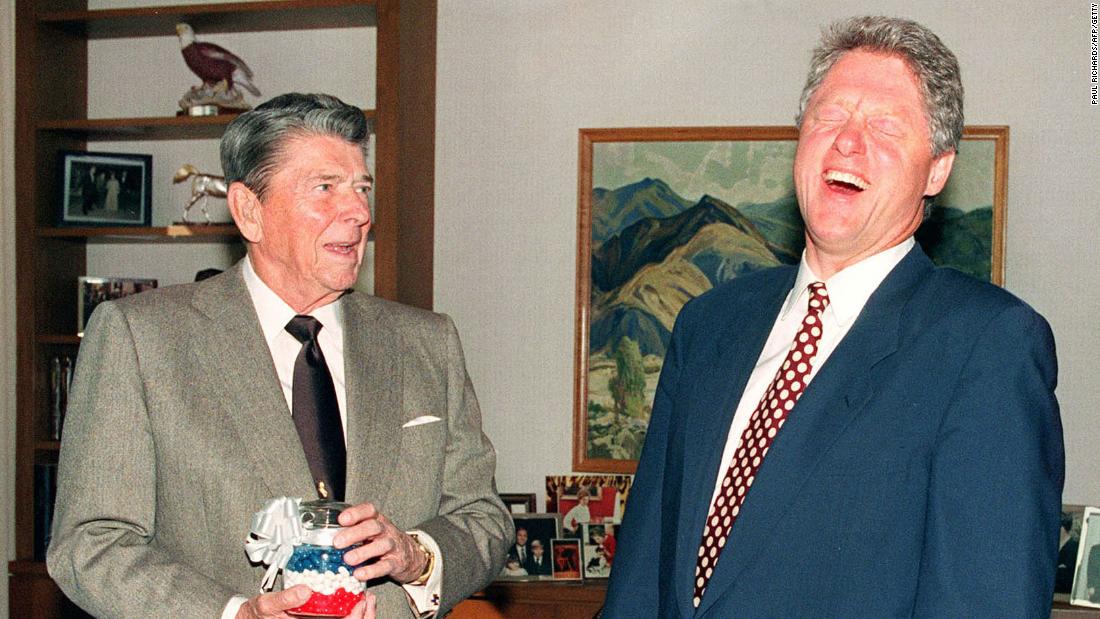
667	214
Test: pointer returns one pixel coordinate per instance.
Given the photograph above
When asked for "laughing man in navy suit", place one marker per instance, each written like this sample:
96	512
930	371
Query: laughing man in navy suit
903	457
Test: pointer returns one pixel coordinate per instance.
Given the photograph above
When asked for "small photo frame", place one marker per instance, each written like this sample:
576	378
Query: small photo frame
1086	580
599	548
105	189
91	291
567	558
519	503
1069	538
529	556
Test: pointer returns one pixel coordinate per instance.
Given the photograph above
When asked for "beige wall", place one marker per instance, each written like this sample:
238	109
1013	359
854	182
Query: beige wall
517	80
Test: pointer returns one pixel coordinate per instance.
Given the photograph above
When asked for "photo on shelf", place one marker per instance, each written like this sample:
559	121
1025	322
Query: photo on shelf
1069	538
567	558
1086	579
582	499
599	548
529	556
105	189
91	291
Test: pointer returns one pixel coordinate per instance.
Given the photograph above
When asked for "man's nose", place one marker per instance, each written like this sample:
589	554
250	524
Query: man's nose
356	207
850	139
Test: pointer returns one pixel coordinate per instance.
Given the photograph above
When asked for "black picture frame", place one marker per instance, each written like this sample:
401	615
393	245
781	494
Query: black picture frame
541	529
104	189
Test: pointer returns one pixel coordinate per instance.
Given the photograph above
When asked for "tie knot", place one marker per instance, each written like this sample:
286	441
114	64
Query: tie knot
819	297
303	328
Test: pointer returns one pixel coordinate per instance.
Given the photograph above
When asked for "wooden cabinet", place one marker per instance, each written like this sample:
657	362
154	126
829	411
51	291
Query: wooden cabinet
535	600
52	102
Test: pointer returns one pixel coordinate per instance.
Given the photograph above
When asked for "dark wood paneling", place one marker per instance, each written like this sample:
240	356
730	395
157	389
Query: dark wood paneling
33	595
405	165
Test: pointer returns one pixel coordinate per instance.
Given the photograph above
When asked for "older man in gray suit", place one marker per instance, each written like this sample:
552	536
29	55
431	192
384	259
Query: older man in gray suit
184	414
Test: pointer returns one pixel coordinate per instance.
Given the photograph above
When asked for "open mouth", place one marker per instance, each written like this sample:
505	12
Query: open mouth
845	182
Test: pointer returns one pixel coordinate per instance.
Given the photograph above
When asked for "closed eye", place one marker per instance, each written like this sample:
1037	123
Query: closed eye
831	113
887	126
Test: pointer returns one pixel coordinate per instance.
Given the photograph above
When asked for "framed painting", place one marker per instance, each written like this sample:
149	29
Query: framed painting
665	214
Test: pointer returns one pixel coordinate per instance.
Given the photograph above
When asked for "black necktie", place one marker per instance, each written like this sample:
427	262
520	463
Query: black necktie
316	412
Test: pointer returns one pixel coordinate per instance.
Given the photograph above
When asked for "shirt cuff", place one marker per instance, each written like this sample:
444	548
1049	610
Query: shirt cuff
424	599
233	606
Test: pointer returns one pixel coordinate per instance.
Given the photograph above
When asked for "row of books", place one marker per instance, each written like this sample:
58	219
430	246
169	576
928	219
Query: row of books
61	378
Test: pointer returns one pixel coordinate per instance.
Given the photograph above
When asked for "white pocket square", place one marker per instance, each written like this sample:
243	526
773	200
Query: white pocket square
421	420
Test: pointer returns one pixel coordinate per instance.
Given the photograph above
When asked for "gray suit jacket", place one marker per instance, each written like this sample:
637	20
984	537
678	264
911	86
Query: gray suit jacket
178	430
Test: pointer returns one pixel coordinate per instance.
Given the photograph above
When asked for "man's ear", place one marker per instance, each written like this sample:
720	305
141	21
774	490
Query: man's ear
246	209
937	175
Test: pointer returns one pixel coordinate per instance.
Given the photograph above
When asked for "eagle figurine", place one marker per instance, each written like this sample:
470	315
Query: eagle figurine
215	64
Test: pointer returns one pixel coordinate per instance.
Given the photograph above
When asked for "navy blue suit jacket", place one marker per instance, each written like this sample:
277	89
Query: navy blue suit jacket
920	474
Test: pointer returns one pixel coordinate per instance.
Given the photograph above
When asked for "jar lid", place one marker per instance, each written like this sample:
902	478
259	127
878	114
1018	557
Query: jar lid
321	514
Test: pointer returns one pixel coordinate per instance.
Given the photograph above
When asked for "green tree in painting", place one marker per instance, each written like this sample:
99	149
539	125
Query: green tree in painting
628	383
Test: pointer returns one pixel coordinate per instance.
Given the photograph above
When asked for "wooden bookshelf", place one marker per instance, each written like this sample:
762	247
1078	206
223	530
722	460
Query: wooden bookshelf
51	59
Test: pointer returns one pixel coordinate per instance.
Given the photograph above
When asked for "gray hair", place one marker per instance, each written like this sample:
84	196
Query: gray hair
935	67
253	142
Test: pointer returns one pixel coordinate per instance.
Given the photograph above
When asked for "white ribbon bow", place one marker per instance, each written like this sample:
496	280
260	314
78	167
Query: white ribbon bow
276	530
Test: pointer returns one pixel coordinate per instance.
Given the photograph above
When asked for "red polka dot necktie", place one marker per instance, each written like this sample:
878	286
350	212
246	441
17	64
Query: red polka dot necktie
766	420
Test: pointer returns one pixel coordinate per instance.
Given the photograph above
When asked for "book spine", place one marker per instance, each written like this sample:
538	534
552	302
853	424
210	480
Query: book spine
45	490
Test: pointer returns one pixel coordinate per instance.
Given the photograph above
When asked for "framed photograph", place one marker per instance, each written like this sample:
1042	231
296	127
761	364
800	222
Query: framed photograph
519	503
1086	580
583	499
599	548
665	214
530	558
91	291
105	189
567	559
1069	538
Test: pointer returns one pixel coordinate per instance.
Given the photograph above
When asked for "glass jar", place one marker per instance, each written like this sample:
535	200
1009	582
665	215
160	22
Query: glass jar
321	567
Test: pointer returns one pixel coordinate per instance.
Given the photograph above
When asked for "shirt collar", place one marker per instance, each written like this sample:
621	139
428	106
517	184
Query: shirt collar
849	288
274	313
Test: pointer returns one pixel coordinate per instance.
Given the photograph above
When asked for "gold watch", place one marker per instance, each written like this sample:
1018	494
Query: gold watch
429	565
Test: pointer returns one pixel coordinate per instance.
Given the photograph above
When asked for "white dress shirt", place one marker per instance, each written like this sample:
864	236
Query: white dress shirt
274	314
849	290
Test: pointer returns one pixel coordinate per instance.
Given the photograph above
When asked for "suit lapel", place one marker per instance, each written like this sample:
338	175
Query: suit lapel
830	403
710	413
372	349
252	397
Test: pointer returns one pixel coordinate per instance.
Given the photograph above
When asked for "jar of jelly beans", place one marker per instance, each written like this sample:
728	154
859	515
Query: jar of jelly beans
320	566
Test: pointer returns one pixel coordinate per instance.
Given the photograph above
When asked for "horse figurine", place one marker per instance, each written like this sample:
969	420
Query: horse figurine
202	187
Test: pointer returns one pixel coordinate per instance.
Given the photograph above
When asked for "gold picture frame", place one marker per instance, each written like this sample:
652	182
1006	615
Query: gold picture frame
638	192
